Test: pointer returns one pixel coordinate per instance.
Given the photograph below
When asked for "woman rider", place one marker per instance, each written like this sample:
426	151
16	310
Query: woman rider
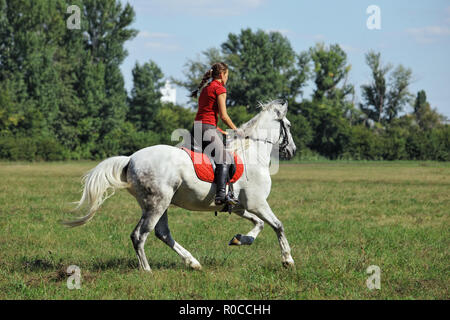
212	101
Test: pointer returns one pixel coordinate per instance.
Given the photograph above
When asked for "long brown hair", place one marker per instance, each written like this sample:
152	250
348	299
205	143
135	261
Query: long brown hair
214	72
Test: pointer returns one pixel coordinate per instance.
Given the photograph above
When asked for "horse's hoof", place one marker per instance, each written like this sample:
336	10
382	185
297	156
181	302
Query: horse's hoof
146	270
289	263
195	265
234	242
239	240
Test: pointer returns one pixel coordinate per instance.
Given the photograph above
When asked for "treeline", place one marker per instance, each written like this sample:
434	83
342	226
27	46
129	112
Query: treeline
62	94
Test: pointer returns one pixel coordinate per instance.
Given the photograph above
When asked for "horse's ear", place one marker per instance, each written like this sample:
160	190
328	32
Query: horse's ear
282	111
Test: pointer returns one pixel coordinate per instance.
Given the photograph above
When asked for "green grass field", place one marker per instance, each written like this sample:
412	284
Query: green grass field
339	217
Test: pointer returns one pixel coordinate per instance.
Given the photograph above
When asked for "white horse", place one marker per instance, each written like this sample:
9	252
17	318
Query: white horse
161	175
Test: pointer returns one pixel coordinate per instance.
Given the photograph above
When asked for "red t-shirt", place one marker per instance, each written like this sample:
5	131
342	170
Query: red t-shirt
207	102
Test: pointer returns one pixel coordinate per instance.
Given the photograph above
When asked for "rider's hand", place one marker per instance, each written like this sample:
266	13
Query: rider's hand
239	132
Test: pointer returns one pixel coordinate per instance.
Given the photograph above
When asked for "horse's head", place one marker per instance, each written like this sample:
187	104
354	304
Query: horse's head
287	146
272	126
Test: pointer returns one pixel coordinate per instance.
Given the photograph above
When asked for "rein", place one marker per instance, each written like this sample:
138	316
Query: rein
283	144
283	135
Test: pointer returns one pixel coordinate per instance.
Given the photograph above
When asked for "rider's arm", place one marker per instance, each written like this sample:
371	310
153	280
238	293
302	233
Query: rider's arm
221	102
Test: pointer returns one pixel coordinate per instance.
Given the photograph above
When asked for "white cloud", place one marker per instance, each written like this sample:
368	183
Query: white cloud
196	7
429	34
430	31
161	46
160	41
154	35
350	48
284	32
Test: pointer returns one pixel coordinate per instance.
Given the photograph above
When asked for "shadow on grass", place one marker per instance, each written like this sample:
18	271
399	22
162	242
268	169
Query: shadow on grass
37	264
131	264
114	264
34	264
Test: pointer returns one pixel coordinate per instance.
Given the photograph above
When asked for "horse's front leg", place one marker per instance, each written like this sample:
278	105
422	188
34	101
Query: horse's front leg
247	239
264	211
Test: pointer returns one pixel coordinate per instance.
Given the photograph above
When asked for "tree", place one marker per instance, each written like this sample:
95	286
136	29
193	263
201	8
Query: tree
145	95
59	83
398	95
107	30
329	126
91	58
263	67
330	68
171	117
301	131
11	113
28	46
426	117
382	100
328	111
195	69
375	93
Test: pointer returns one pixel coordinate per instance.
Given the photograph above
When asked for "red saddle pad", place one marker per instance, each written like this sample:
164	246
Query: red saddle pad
204	170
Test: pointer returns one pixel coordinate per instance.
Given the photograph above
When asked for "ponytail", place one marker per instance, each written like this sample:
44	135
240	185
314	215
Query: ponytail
206	76
214	72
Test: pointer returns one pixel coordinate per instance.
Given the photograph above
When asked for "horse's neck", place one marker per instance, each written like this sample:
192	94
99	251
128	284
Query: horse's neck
255	150
259	153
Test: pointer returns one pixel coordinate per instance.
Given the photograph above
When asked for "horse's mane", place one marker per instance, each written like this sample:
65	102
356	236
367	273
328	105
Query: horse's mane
251	125
253	122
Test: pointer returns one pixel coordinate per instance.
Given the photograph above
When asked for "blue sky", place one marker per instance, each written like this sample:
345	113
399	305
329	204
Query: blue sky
414	33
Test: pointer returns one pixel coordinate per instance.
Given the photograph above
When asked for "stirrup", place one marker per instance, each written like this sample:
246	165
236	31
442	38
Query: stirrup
230	202
230	199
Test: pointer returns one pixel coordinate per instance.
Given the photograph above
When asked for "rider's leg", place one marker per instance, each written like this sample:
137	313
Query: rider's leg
222	160
223	164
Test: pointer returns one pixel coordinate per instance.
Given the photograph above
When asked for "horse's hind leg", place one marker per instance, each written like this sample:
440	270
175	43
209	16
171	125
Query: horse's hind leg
153	207
138	240
248	239
139	235
162	232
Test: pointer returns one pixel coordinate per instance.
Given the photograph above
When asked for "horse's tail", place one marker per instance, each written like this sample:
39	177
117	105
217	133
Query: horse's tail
108	174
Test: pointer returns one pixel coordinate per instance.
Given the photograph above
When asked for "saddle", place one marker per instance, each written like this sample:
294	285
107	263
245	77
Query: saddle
205	166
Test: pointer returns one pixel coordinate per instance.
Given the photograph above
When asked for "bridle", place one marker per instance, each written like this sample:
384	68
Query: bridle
283	137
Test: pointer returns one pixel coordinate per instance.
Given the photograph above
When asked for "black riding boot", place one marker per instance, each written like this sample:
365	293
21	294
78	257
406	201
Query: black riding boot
221	176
